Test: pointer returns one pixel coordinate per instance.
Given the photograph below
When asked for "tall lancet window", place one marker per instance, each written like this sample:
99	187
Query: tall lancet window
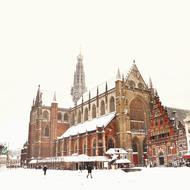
86	114
46	115
102	111
112	104
46	132
59	116
94	147
79	117
94	111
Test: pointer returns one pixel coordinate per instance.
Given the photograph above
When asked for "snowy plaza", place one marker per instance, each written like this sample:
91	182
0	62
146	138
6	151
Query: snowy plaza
147	178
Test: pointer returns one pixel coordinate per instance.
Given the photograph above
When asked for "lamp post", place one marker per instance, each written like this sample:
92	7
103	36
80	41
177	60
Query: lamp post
171	148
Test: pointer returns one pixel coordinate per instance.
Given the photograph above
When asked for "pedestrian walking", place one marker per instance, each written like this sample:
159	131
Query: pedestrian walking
89	168
45	169
80	168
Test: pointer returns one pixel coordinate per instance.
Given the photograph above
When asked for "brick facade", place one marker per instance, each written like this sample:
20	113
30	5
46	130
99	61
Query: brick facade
166	136
132	128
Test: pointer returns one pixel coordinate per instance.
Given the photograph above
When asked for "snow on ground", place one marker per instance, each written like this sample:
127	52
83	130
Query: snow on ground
148	178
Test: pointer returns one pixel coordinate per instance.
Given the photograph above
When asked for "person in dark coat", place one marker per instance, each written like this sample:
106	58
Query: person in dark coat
45	169
80	168
89	168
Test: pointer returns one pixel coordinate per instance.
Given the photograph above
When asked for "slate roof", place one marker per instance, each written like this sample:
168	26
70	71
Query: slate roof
179	115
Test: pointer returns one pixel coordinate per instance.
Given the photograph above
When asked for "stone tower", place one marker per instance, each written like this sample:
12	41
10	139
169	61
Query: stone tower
79	86
35	126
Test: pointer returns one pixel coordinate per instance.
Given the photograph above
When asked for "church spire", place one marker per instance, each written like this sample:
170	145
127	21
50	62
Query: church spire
118	76
54	97
150	83
38	101
79	86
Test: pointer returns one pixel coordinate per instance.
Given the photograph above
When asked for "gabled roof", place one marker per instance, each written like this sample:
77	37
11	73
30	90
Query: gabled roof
88	126
134	75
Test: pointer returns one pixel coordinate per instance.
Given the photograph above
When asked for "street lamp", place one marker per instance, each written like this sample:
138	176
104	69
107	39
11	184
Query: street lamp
171	148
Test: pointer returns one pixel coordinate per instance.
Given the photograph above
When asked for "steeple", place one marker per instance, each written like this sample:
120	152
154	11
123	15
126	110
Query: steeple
150	83
156	93
54	97
79	86
118	76
38	101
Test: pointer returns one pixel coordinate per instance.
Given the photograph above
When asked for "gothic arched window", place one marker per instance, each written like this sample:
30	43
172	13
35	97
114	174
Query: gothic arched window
102	108
46	115
94	147
110	143
65	147
79	117
112	104
84	148
46	132
59	116
94	111
86	114
75	147
66	117
137	114
72	119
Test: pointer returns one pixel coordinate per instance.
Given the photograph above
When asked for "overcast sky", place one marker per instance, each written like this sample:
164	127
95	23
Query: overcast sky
40	40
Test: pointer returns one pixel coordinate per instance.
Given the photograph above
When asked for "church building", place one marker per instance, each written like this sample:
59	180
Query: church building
117	114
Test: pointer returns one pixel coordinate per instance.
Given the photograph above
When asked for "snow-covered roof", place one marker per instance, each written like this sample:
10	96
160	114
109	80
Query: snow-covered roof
116	151
72	158
33	162
85	158
88	126
122	161
100	158
76	158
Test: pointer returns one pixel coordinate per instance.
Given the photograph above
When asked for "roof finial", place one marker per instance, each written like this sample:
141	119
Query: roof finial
106	86
156	92
38	101
80	53
133	61
118	76
54	97
97	91
150	83
123	78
